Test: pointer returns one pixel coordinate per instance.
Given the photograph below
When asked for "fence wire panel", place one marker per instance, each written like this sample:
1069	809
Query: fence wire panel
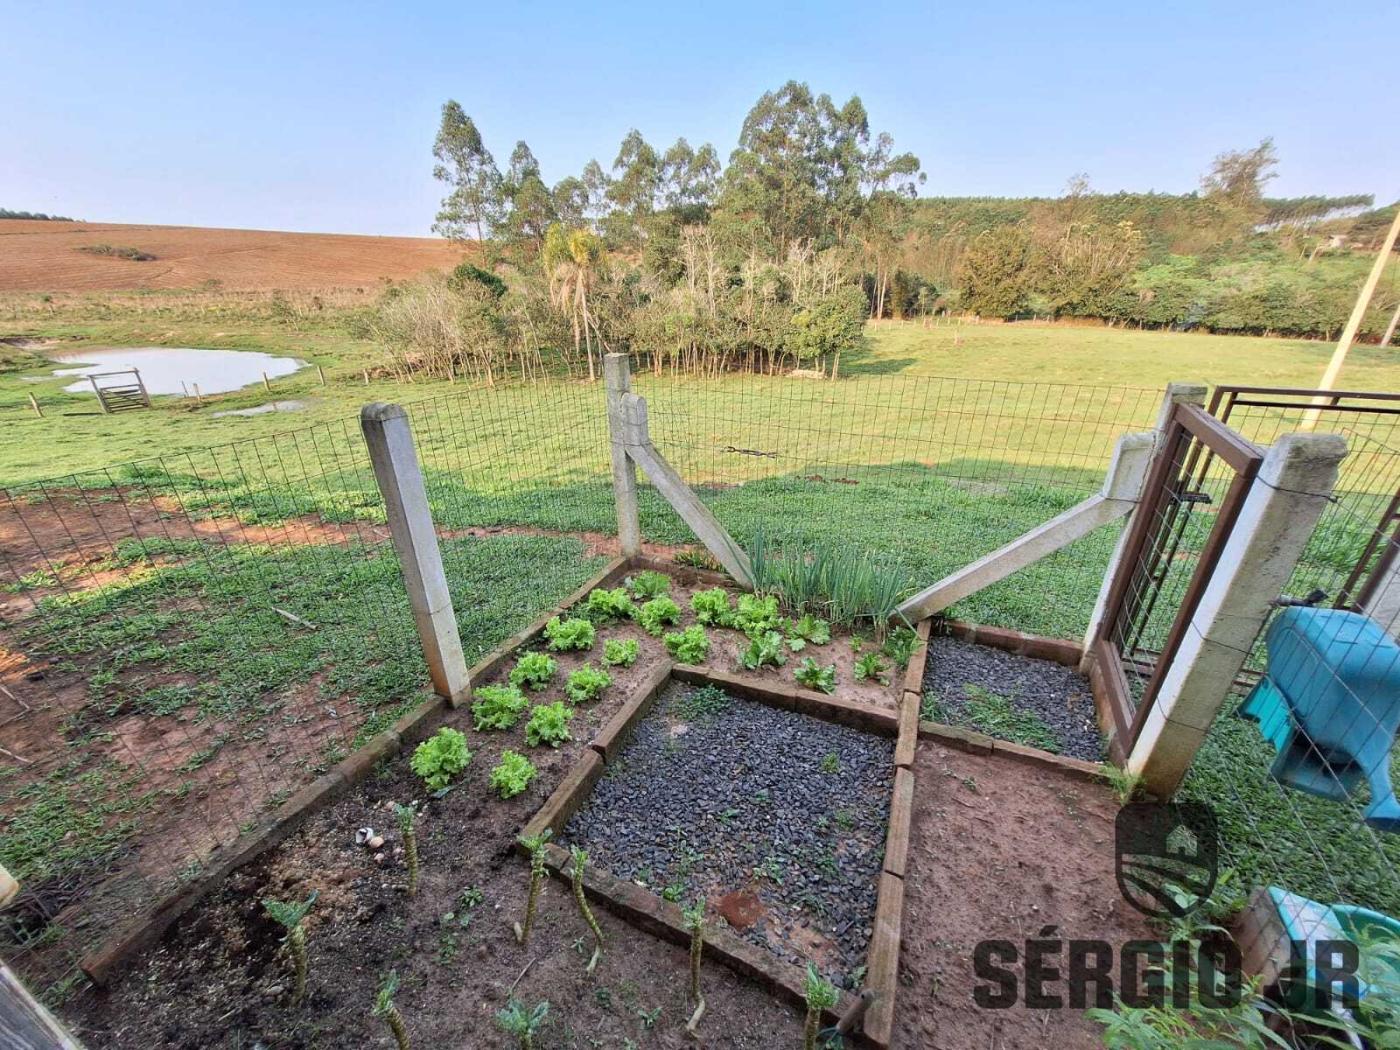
926	473
1300	779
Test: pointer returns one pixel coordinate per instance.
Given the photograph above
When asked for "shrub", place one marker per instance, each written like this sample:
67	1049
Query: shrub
512	774
756	615
765	649
814	676
533	671
565	635
440	758
658	614
586	684
690	646
605	606
621	652
649	584
549	724
712	607
497	707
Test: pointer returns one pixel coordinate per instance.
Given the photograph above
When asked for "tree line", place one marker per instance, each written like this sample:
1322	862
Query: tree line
774	258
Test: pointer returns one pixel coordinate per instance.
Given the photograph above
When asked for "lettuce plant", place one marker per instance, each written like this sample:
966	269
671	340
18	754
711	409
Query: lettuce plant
512	774
586	684
810	628
621	652
605	606
440	758
658	614
646	585
872	666
533	671
814	676
764	649
755	615
549	724
900	644
565	635
497	707
520	1022
690	646
712	607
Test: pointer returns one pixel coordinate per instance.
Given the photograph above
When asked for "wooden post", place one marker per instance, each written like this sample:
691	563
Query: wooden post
98	391
24	1022
197	399
1293	486
693	512
1122	489
400	479
366	375
1358	314
266	385
141	383
617	373
1390	328
321	374
34	404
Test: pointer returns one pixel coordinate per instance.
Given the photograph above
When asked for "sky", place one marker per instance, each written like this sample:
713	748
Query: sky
320	117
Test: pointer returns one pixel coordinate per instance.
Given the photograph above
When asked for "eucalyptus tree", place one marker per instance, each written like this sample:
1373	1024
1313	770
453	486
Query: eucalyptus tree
531	204
476	201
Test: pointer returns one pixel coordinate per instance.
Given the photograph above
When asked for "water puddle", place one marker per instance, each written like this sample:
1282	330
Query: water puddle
261	410
167	370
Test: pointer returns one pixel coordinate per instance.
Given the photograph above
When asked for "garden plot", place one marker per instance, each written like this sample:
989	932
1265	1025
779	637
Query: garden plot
1025	700
778	819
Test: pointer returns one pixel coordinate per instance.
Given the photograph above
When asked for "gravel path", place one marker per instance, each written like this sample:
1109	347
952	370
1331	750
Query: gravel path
777	818
1058	696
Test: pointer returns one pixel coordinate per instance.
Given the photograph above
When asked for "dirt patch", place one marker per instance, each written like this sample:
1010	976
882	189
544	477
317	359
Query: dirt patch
1001	850
217	979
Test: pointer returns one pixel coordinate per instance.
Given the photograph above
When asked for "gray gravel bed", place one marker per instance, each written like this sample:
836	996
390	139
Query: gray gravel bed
1057	695
749	801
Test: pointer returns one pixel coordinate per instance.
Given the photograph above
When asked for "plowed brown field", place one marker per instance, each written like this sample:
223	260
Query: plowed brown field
44	256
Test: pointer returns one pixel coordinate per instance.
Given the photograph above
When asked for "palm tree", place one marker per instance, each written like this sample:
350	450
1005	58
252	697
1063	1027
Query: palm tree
573	260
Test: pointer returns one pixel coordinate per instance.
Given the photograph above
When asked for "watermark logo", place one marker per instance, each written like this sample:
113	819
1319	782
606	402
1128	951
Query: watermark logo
1166	856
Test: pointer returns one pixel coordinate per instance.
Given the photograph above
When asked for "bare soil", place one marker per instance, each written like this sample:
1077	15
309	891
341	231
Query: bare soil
1001	850
217	979
45	256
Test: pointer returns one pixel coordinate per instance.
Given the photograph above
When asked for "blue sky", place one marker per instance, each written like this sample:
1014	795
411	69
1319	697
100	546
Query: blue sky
321	116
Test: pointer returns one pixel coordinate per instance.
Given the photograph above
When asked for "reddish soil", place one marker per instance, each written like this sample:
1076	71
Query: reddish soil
44	256
216	980
1001	850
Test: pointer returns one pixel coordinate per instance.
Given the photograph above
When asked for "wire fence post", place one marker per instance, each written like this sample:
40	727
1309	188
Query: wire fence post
396	469
617	373
1283	506
1176	393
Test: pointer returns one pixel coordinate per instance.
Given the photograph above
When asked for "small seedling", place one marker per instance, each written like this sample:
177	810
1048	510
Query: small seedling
821	995
580	858
497	707
872	666
515	1020
605	606
567	635
705	702
408	816
694	917
712	607
690	646
289	914
549	724
586	684
658	614
621	652
814	676
533	671
535	844
440	758
831	763
384	1007
512	774
1124	785
900	645
647	585
764	650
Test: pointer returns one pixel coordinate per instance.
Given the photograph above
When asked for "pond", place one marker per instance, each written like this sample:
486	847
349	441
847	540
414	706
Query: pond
167	370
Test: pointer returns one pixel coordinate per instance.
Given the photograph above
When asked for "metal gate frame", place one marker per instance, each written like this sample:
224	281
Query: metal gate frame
1191	438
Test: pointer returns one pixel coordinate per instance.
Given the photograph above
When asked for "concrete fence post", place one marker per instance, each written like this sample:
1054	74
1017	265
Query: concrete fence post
400	479
617	375
1176	393
1383	604
1274	525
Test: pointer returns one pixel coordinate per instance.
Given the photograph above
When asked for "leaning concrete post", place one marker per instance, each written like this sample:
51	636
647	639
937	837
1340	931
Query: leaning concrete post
1383	604
1274	525
1177	393
617	373
400	480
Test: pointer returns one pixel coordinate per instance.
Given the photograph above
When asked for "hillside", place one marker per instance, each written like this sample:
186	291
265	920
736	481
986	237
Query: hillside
58	257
